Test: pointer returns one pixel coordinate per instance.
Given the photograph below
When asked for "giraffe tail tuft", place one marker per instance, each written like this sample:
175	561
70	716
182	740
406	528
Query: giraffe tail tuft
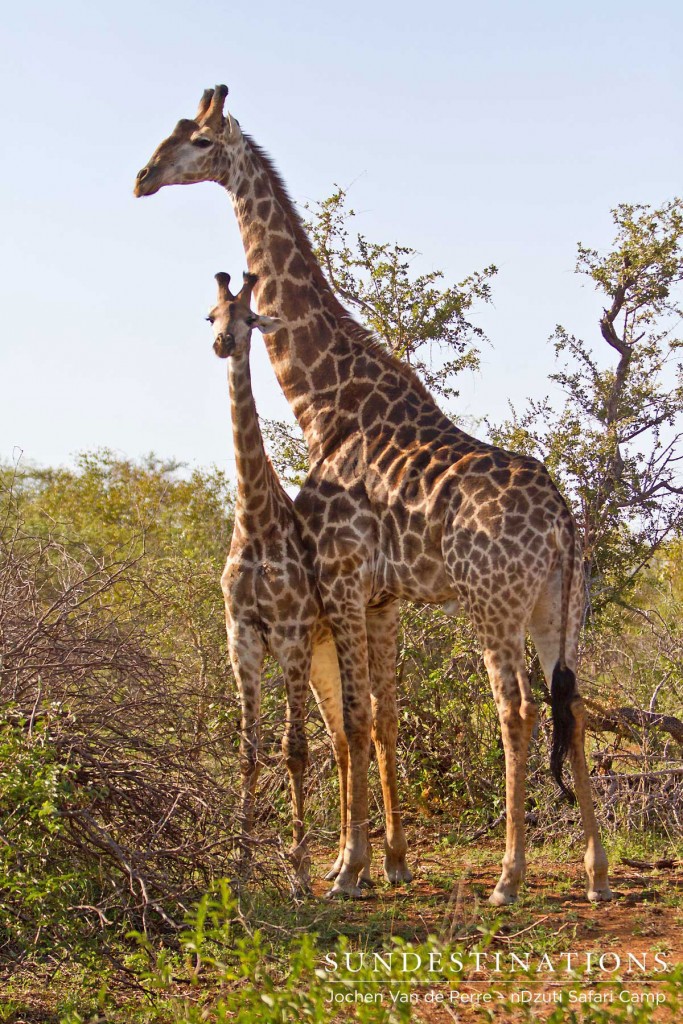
562	692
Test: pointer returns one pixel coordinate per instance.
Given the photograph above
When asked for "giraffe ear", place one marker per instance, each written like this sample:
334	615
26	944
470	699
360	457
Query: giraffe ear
232	130
268	324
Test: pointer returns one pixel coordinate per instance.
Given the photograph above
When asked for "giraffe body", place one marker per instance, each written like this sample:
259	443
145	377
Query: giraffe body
399	502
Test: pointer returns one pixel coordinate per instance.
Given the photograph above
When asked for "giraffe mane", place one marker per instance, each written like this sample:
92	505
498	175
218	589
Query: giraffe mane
356	330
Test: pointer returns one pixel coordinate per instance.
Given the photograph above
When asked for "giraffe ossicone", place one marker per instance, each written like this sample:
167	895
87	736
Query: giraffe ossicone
400	503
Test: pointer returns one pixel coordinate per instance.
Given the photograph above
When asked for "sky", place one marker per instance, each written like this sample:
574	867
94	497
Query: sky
496	132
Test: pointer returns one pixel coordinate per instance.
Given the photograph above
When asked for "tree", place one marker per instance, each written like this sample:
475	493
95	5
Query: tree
614	445
414	317
417	320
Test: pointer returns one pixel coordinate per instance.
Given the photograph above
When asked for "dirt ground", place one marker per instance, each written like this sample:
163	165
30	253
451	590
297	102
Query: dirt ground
446	904
553	919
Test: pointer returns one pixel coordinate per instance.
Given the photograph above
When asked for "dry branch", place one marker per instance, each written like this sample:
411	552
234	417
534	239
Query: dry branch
623	721
149	814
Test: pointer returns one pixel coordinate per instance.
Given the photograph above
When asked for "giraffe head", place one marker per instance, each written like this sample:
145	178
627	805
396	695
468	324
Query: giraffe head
198	150
233	319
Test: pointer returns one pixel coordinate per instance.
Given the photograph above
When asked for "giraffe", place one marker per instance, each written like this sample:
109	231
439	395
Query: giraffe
271	599
400	503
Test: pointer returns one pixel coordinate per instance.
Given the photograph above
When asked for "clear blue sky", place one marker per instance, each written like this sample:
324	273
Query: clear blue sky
476	133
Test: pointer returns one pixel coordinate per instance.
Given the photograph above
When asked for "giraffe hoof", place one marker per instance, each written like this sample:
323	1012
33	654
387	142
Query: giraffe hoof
366	883
600	895
502	899
353	892
335	869
398	873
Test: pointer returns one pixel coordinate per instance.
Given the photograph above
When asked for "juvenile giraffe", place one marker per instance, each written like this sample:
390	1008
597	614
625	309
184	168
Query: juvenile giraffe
399	502
271	599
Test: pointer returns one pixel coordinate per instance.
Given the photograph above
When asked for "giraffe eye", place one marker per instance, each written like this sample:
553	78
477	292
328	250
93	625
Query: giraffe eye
251	320
202	142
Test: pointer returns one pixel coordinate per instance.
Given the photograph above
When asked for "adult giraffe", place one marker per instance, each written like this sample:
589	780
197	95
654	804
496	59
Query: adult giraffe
400	503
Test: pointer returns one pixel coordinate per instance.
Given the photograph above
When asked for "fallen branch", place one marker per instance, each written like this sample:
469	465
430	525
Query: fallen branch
623	720
644	865
515	935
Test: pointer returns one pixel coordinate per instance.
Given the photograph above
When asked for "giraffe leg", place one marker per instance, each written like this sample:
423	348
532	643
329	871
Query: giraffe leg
247	651
545	633
506	669
295	659
382	630
346	614
595	859
326	686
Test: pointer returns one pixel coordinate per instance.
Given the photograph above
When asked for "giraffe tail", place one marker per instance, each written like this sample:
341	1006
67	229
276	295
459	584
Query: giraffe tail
563	683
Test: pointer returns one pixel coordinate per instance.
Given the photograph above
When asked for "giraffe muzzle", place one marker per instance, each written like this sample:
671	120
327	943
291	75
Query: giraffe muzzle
224	345
144	183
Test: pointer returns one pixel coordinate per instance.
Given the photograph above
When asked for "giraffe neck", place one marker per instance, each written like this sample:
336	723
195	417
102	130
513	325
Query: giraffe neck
256	478
331	371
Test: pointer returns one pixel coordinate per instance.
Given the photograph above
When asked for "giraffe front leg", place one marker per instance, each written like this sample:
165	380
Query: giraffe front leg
382	629
348	626
355	866
517	714
342	772
247	651
326	686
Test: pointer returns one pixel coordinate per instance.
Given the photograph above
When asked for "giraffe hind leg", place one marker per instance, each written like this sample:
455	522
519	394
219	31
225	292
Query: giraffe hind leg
545	633
505	665
498	615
